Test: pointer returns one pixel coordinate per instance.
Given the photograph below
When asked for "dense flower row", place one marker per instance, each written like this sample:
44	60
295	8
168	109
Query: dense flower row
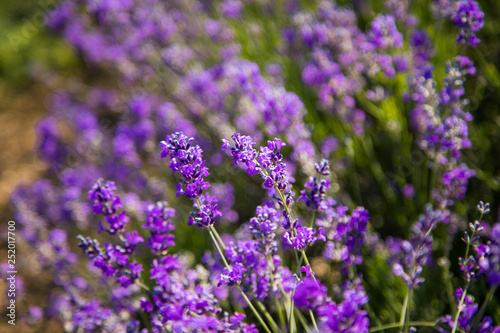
299	257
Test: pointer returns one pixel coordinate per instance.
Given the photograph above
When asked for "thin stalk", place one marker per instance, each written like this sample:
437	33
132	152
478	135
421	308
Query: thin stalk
311	314
268	316
254	310
291	320
218	237
459	308
464	293
280	312
304	256
299	264
290	317
142	285
219	249
487	300
303	321
313	219
408	311
377	171
402	318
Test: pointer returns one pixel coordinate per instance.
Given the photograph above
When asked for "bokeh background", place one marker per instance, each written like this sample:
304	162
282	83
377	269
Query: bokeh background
35	62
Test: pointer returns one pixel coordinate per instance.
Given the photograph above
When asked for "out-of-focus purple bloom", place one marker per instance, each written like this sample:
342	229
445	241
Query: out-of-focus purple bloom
409	257
488	256
465	322
384	34
105	202
314	194
346	316
250	267
408	191
159	226
233	276
469	18
299	236
454	184
231	8
345	234
310	294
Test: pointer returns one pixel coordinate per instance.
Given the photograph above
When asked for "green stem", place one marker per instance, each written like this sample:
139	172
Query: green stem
487	300
378	171
268	316
396	325
459	308
219	249
408	311
254	310
303	321
402	318
311	314
311	225
218	237
304	256
142	285
280	312
291	321
239	288
464	293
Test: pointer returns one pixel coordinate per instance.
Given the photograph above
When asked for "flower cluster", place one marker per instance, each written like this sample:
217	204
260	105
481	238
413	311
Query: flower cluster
410	257
341	58
112	260
268	164
107	204
304	73
188	161
347	315
469	18
345	234
159	226
465	322
314	197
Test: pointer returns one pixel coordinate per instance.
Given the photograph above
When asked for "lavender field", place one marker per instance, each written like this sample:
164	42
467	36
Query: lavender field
250	166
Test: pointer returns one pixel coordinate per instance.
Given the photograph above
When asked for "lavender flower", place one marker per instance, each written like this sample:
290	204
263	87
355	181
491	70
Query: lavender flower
488	256
159	226
347	315
263	227
188	161
105	202
409	257
345	234
465	322
314	196
384	33
310	294
469	18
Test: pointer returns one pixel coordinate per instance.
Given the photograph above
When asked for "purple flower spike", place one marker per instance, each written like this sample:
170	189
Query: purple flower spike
107	203
469	18
188	161
243	152
159	225
310	294
384	34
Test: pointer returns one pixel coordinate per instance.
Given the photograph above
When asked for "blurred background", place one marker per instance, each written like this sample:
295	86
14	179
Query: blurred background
30	55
